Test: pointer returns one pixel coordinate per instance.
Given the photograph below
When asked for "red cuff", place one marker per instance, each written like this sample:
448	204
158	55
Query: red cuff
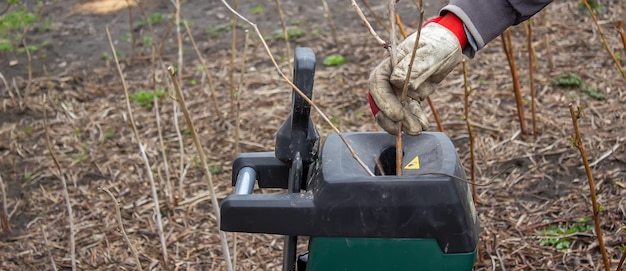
452	23
373	105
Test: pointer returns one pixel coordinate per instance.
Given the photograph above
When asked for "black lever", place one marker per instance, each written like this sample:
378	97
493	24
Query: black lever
298	134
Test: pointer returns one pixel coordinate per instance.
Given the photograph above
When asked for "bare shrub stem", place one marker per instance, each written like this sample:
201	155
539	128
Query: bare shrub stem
206	72
239	91
576	114
531	68
4	216
231	64
196	140
378	19
291	84
331	22
142	151
622	34
283	24
120	223
508	50
66	194
428	99
470	131
48	246
358	10
604	41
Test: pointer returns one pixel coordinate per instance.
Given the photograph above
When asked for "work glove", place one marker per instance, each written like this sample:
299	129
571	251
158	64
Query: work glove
439	51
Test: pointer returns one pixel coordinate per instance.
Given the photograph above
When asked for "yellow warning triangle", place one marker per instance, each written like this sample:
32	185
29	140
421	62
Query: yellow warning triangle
414	164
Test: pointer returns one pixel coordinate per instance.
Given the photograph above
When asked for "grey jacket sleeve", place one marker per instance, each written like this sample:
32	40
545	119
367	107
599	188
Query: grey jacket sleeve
486	19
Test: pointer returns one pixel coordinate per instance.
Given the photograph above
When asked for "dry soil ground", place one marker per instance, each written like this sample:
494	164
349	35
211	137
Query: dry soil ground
531	189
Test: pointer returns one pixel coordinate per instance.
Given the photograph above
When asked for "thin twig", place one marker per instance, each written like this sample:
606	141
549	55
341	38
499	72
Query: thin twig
428	99
239	91
291	84
378	19
621	261
142	151
533	108
604	41
4	216
133	36
405	87
48	248
231	64
329	17
358	10
205	67
576	114
66	194
470	131
394	61
508	50
120	224
620	29
283	24
196	140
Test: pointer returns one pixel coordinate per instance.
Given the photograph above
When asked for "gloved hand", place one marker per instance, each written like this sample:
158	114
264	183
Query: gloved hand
439	51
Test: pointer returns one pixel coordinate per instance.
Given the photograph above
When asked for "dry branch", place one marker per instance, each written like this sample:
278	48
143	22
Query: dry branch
578	143
604	41
283	24
358	10
428	99
120	223
298	91
66	194
205	67
508	50
470	131
622	34
231	63
331	22
4	216
142	151
531	66
196	140
378	19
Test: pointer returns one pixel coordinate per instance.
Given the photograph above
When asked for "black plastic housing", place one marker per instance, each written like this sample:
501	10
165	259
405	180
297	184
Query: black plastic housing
432	201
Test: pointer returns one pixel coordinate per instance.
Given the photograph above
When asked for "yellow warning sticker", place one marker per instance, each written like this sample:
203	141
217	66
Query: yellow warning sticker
414	164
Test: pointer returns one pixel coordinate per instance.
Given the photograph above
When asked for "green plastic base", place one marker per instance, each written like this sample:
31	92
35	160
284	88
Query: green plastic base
365	254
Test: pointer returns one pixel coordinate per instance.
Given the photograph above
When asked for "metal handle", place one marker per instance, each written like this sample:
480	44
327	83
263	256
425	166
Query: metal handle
245	181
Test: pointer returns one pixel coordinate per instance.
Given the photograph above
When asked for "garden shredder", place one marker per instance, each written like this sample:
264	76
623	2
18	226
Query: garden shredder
423	220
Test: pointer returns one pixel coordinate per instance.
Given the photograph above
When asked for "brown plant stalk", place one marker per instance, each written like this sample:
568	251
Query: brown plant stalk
142	151
431	104
283	24
331	22
180	98
205	67
239	90
622	33
238	122
48	248
604	41
133	36
120	224
66	194
153	80
531	68
298	91
576	114
470	130
231	63
4	216
378	19
359	12
508	50
405	89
